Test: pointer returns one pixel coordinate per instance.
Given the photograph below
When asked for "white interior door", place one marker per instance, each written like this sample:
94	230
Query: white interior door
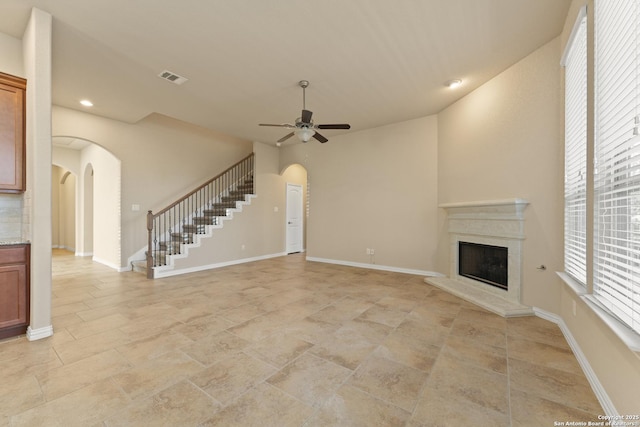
294	218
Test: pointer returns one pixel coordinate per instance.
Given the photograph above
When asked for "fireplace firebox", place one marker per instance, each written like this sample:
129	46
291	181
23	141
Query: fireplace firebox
485	263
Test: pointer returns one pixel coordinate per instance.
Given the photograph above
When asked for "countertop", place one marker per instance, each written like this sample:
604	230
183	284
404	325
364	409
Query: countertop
13	242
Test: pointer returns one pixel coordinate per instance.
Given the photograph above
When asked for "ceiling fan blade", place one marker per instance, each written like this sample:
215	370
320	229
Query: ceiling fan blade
287	136
334	126
284	125
320	137
306	116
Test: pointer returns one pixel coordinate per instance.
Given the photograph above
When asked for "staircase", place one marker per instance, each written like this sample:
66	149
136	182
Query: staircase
181	225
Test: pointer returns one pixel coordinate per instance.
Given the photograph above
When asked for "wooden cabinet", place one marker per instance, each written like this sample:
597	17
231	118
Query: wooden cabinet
14	289
12	131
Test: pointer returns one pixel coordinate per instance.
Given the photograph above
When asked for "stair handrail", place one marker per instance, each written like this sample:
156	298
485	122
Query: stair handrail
248	161
191	193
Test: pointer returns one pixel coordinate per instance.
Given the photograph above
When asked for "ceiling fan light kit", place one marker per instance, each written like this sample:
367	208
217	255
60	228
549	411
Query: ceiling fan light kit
304	134
304	128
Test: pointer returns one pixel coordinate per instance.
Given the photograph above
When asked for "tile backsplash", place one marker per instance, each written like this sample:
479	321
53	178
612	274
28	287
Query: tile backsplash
11	216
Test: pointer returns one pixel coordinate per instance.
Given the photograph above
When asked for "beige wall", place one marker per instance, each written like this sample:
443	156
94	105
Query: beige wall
503	141
67	186
374	189
85	214
107	228
11	61
161	158
56	174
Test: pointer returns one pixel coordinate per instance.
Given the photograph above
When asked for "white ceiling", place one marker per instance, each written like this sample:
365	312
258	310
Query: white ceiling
370	62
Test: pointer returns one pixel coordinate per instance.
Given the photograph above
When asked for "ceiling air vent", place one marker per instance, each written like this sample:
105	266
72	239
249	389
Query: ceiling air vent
172	77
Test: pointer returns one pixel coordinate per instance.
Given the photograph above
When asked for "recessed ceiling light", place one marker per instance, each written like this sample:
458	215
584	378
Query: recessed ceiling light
86	103
452	84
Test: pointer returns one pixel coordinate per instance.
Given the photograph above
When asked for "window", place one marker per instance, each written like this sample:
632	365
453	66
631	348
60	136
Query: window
616	210
602	168
575	175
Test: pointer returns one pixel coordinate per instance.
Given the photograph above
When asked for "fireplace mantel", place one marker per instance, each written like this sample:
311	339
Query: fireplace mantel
519	204
488	222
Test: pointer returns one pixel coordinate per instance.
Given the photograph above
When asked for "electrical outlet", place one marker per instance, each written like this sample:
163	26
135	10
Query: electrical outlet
373	252
368	251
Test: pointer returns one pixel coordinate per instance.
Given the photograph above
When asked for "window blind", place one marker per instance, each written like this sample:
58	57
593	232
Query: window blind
575	173
616	282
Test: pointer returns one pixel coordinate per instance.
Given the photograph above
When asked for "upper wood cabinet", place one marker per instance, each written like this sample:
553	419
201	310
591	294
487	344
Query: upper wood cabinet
12	131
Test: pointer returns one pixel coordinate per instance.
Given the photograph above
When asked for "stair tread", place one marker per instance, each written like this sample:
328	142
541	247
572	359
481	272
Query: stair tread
201	218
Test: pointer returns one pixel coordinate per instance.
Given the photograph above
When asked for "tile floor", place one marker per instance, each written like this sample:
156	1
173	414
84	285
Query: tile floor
283	342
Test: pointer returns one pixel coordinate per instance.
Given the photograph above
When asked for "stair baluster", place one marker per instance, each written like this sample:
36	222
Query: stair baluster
189	214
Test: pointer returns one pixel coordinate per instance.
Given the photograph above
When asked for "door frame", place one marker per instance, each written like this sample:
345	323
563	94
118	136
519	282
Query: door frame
288	248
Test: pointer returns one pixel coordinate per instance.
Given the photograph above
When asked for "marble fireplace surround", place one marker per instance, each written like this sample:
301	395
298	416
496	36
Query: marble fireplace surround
487	222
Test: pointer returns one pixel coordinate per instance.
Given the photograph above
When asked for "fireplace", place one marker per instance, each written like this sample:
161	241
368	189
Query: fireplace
485	263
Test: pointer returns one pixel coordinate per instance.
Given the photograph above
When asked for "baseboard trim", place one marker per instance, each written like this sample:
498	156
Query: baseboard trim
376	267
107	263
598	389
63	247
159	274
40	333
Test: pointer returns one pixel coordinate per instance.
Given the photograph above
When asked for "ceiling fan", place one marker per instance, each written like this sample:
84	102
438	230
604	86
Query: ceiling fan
304	128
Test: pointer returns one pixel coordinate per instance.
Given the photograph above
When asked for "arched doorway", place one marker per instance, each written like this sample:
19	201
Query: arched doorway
97	219
63	208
